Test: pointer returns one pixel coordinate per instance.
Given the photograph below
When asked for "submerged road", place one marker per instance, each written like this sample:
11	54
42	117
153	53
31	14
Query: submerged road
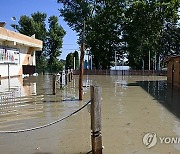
132	106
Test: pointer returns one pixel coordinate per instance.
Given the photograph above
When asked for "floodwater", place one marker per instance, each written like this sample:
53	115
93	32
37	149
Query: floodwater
131	107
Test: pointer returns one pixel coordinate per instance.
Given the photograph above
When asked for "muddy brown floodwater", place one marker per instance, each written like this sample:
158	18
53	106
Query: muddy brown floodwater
131	107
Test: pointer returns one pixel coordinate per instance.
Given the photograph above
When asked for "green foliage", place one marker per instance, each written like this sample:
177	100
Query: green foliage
56	66
169	43
69	61
41	63
102	29
104	35
33	25
75	12
38	25
52	39
144	27
133	27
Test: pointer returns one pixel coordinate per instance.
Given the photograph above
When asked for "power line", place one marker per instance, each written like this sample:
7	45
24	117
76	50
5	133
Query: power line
70	44
70	49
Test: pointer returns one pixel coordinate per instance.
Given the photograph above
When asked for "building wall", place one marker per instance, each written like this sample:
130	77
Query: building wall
27	57
17	86
173	75
27	47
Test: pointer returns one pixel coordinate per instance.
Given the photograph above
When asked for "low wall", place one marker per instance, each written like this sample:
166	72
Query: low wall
120	72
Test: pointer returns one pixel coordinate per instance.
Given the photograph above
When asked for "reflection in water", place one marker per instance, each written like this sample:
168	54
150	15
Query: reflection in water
167	95
31	99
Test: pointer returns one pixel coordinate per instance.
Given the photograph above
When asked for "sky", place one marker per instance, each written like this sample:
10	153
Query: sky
17	8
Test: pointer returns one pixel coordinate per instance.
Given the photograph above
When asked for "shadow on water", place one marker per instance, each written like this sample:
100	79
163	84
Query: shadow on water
164	93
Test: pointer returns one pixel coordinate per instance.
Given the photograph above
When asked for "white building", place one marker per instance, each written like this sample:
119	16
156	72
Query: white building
17	53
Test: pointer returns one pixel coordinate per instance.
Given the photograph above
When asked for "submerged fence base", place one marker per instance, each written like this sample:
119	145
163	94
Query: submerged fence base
96	137
121	72
44	126
62	79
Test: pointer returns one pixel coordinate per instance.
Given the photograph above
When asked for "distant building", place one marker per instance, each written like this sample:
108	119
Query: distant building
173	70
120	68
17	53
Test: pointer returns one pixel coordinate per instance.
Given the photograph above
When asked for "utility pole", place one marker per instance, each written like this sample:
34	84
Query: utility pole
81	70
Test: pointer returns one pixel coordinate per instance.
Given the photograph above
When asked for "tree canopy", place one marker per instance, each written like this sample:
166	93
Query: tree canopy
133	27
52	39
144	26
54	42
70	60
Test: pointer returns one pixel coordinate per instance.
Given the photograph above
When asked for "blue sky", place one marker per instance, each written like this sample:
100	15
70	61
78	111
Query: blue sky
17	8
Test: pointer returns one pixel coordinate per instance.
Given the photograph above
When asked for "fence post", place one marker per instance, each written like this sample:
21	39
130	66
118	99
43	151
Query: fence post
96	137
54	84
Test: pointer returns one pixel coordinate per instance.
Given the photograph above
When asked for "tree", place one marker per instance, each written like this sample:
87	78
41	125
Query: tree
56	66
102	28
75	12
35	25
169	42
143	28
69	61
132	27
54	40
104	36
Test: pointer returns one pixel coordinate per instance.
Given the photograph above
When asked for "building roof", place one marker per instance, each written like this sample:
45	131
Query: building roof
17	38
